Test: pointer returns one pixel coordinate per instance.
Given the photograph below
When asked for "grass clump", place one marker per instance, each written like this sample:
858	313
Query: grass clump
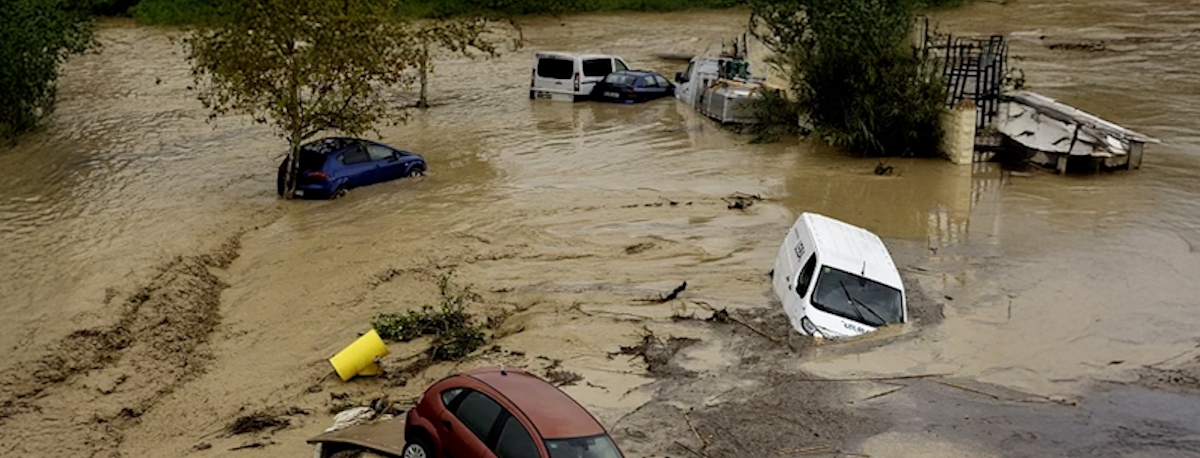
454	330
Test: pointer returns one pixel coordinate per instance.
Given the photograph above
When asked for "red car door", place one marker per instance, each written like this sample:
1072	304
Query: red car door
466	425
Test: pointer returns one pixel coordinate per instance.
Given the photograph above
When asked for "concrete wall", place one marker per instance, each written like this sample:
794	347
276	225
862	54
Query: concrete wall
958	145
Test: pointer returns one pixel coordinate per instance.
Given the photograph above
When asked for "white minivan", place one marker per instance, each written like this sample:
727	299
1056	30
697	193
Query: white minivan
837	280
561	76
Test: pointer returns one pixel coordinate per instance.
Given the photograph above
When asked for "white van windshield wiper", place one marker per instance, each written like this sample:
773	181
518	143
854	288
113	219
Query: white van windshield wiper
860	304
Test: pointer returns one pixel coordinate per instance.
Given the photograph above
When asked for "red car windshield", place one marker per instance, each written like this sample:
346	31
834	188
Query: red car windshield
600	446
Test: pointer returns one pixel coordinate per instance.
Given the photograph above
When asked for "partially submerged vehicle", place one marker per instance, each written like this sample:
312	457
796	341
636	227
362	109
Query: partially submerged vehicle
569	77
837	280
331	166
721	88
633	86
504	413
1052	134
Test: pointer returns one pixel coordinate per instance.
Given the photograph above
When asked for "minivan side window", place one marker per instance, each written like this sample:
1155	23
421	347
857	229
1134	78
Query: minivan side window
514	441
597	67
806	276
354	155
379	152
553	68
479	413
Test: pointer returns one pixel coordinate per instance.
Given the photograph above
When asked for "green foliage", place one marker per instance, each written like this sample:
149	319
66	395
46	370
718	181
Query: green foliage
459	34
777	116
36	37
854	75
194	11
944	3
174	12
303	66
509	8
455	334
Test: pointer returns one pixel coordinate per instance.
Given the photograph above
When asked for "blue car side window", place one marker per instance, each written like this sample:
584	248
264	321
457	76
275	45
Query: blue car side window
354	155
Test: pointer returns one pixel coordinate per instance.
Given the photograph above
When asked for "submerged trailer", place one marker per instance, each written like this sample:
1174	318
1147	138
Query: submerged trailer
1052	134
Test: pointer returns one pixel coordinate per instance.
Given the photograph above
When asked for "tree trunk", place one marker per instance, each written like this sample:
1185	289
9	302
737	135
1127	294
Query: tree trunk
292	173
423	68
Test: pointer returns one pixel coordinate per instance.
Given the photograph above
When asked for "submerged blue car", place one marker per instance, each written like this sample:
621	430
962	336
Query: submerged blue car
331	166
632	86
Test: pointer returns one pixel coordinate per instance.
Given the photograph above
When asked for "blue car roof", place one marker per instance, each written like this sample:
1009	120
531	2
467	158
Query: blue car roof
635	72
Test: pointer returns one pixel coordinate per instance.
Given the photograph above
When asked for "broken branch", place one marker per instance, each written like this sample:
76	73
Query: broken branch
967	388
701	455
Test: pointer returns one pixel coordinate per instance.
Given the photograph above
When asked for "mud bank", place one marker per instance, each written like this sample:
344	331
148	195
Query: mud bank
80	396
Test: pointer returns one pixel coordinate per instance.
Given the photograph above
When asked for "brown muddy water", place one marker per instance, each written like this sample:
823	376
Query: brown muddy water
128	326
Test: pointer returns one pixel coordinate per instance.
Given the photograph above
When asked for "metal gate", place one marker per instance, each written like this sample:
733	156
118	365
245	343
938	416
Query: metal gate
974	68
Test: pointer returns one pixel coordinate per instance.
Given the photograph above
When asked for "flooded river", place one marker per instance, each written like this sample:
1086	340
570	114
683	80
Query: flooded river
1048	282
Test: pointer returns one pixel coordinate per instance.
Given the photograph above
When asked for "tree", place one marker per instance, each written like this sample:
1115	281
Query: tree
853	73
303	66
36	37
459	34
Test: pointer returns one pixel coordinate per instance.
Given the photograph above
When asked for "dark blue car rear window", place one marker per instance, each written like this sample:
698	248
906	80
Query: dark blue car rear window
617	79
311	161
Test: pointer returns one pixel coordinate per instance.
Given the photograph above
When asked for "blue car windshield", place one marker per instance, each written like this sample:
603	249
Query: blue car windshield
583	447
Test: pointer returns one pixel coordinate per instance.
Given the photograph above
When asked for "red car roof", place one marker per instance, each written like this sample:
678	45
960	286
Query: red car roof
552	412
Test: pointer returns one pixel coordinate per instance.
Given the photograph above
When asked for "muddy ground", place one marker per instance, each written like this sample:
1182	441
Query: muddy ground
156	291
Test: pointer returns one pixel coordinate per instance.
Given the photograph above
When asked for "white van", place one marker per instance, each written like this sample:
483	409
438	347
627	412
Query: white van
561	76
837	280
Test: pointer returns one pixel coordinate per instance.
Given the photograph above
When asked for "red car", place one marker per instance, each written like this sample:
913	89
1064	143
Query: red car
502	413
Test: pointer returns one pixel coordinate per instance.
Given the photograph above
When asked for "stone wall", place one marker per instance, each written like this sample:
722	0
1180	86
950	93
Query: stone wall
958	145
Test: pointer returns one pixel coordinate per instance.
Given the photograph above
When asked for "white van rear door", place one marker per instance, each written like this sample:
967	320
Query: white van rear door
554	74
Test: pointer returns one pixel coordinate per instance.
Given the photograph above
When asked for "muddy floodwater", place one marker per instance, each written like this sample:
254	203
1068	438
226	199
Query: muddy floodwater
154	287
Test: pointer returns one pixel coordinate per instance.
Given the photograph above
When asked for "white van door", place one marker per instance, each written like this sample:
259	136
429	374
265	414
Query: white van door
594	71
554	74
797	298
684	88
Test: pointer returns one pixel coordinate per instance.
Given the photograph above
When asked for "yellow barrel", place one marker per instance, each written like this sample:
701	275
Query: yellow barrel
359	357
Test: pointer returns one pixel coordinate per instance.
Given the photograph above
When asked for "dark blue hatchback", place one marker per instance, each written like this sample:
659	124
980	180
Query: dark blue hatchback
330	166
631	86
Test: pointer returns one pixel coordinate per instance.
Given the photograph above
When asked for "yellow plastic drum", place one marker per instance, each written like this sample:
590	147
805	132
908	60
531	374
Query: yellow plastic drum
359	357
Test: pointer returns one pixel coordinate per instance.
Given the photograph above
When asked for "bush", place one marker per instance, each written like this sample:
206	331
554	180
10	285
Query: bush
853	73
174	12
776	115
36	37
455	334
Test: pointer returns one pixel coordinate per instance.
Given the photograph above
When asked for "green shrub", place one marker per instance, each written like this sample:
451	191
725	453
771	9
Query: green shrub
174	12
36	37
853	73
454	330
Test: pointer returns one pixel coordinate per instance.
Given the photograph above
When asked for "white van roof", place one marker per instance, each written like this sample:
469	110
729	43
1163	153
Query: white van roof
569	56
852	249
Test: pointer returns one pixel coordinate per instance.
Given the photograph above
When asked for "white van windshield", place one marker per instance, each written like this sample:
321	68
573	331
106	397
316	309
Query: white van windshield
856	298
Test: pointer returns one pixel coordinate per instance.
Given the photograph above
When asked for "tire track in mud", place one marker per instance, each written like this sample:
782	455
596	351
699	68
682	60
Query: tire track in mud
88	387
